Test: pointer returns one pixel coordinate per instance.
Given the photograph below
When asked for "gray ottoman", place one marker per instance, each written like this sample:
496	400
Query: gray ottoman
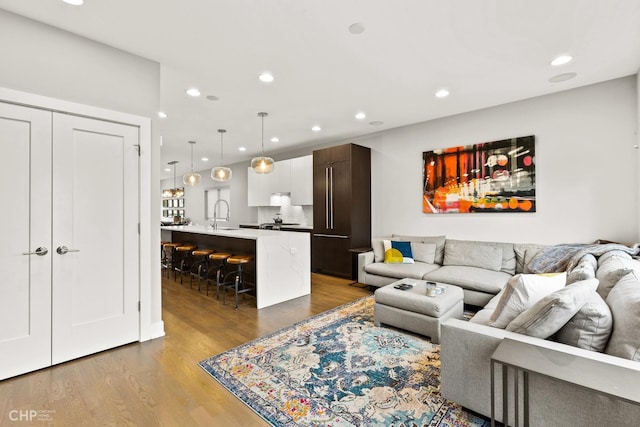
414	311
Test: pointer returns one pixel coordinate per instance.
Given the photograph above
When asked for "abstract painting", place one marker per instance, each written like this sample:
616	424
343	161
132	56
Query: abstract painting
496	176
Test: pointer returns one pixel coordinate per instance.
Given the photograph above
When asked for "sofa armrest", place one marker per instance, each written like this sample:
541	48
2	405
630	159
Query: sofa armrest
466	350
465	355
364	259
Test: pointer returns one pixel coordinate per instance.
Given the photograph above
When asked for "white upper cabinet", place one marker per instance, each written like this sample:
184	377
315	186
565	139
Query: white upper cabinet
280	178
293	176
257	188
302	180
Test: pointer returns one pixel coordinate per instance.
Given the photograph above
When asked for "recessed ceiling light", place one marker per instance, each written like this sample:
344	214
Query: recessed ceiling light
376	123
275	139
562	77
162	114
442	93
561	60
356	28
74	2
205	159
212	98
242	149
360	115
266	77
193	92
316	128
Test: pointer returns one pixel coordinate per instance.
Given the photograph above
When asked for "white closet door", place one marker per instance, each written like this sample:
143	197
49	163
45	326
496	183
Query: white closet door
95	217
25	215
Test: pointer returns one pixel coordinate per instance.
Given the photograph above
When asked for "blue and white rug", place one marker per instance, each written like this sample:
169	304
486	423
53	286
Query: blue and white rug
338	369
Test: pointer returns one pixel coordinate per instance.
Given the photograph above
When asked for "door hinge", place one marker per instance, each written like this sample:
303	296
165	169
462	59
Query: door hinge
139	305
138	228
138	149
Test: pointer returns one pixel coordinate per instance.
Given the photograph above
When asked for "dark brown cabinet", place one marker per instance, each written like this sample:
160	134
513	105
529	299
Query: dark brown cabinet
341	207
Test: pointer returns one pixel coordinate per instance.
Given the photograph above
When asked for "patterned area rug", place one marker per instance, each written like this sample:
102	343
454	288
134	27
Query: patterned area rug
338	369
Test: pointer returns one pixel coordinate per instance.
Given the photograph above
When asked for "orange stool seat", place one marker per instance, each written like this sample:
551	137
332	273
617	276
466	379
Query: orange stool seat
239	259
202	252
219	256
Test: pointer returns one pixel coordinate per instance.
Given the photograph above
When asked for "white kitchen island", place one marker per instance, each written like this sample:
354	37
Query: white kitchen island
282	259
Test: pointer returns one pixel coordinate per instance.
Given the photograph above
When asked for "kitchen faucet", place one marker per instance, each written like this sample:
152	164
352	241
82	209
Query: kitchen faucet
215	209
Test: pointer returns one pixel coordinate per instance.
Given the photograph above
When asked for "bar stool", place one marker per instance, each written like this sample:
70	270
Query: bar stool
217	266
163	257
236	278
183	260
199	265
169	250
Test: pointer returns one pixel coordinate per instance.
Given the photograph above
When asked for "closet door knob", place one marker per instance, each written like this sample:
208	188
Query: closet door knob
63	250
41	251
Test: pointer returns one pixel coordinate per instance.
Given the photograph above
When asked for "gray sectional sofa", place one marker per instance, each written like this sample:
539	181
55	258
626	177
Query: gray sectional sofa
604	326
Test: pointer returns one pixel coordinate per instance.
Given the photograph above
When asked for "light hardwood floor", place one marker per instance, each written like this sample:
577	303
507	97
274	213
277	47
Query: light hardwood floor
159	382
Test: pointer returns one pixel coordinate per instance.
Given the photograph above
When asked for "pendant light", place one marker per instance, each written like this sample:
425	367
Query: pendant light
221	173
174	191
191	179
262	164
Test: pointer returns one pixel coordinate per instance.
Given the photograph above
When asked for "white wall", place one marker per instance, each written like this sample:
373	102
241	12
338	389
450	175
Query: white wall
44	60
586	168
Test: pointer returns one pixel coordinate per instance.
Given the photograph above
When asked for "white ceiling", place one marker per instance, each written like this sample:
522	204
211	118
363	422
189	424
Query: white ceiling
486	52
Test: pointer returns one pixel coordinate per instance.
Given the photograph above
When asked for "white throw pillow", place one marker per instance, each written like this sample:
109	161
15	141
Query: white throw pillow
523	291
553	311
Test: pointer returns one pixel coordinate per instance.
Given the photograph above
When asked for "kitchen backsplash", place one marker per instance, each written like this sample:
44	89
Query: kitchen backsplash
302	215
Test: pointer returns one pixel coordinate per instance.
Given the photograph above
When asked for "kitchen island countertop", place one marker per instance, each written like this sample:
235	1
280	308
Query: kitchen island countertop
240	233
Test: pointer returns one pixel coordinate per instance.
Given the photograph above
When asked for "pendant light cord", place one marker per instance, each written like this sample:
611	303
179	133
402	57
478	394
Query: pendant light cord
262	117
221	148
192	143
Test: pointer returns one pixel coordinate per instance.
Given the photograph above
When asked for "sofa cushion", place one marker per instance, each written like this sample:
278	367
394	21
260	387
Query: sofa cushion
525	253
522	292
620	254
478	279
590	328
400	271
624	301
472	255
424	252
612	269
438	240
553	311
585	269
508	254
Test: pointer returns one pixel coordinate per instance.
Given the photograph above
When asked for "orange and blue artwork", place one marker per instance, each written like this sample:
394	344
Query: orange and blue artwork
496	176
